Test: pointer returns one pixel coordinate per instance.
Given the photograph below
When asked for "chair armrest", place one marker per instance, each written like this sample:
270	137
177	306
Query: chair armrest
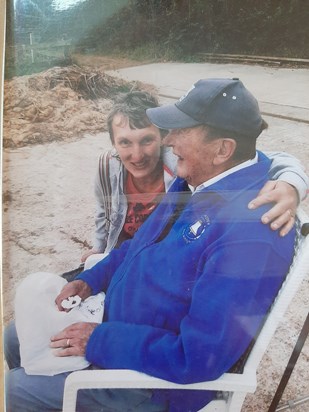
123	378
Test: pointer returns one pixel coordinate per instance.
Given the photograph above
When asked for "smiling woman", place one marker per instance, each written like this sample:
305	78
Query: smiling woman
139	171
140	152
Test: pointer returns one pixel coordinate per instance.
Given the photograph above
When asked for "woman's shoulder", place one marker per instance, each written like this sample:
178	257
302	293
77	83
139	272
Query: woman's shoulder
110	163
109	154
110	157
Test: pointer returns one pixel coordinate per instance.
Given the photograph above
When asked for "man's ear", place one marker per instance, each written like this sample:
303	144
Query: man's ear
225	151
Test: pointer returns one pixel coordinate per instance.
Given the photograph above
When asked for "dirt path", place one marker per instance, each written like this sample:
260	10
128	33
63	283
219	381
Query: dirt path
105	62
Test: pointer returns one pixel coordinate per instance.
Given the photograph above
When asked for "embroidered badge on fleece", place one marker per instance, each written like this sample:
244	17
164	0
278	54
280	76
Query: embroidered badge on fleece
194	231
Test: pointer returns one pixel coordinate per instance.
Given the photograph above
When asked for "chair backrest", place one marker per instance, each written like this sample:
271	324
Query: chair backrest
298	269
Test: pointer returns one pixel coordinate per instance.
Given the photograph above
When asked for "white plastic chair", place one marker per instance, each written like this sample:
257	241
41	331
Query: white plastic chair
234	386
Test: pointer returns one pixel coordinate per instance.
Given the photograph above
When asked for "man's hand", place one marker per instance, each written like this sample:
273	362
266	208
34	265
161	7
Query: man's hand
282	214
72	341
77	287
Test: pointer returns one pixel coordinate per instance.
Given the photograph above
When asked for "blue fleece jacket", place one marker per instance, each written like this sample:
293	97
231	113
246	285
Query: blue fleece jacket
186	307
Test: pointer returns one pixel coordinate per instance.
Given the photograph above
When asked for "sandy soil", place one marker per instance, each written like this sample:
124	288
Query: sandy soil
48	208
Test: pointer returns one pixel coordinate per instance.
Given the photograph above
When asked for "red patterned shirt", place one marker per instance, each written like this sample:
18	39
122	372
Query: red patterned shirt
140	206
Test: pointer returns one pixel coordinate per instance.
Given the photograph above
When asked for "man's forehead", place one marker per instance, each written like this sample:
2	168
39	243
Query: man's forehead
188	130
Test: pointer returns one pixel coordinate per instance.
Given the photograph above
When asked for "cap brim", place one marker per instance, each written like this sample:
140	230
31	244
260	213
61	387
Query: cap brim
170	117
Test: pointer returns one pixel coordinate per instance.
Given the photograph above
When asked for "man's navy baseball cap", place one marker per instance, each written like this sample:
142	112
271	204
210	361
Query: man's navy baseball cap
222	103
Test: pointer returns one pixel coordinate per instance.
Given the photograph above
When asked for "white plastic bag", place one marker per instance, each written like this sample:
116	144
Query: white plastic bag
38	318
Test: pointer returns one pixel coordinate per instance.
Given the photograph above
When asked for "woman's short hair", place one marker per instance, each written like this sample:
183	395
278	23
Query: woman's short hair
132	106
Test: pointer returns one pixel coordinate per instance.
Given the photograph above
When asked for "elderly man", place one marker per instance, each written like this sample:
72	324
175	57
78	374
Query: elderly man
187	294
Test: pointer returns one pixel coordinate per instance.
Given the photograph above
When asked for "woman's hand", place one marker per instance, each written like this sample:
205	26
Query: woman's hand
77	287
72	341
282	214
